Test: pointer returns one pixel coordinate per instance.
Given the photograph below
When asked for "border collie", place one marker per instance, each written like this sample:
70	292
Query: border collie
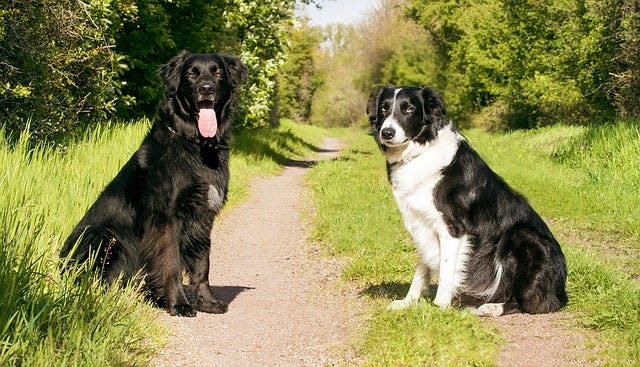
488	247
156	215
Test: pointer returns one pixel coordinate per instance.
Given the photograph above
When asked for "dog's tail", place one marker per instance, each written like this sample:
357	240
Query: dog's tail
100	250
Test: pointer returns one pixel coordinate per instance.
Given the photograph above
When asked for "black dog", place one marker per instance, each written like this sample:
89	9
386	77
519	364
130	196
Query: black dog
157	213
484	242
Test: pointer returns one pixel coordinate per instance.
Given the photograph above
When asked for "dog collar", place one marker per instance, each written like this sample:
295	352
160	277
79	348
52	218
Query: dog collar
218	145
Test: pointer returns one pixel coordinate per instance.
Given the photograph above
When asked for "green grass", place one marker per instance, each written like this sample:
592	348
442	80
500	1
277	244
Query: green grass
52	320
589	195
46	319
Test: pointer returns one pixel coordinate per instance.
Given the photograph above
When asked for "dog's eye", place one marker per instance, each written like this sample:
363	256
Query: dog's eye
190	74
218	74
384	109
409	109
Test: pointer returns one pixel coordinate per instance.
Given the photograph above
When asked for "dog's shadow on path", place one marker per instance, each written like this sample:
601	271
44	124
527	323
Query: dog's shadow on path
225	294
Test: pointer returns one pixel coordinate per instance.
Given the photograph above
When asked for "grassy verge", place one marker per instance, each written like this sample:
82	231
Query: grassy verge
49	320
588	194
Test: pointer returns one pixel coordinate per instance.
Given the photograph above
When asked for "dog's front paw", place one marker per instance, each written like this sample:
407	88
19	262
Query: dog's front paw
182	309
400	304
442	302
211	306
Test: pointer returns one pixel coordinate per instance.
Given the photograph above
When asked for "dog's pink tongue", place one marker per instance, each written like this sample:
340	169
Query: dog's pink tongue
207	122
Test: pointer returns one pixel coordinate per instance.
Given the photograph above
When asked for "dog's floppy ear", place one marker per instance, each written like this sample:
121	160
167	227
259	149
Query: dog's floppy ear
236	70
434	109
170	72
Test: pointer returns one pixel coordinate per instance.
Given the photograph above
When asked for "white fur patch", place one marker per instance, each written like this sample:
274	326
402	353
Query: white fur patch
214	198
391	122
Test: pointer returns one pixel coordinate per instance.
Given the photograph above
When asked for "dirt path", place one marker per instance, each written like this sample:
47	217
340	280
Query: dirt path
285	306
549	340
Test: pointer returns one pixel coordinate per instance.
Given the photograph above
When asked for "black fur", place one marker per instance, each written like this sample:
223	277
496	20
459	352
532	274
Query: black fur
474	201
156	215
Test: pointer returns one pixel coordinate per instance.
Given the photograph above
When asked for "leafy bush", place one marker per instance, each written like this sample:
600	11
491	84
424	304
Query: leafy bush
58	64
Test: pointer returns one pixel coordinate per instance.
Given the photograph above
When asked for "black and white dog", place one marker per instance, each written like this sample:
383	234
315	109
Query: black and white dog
487	245
156	215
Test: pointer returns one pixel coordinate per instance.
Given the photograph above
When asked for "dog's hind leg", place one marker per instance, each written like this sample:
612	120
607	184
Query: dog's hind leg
494	309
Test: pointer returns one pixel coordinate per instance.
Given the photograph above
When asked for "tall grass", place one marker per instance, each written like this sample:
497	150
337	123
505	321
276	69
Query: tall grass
596	221
51	320
46	319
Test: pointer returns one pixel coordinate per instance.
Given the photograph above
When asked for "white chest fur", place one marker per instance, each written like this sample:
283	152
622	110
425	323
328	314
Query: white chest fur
416	170
214	198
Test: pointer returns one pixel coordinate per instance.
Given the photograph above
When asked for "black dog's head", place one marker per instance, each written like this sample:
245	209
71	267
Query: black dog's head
399	115
204	87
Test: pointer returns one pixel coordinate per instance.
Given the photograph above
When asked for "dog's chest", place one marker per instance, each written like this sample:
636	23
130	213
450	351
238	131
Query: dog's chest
413	182
413	192
215	199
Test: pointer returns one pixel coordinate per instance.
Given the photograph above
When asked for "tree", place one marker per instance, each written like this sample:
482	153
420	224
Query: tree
530	63
298	79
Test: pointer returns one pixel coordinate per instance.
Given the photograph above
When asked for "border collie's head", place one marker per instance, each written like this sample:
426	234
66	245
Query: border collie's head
399	115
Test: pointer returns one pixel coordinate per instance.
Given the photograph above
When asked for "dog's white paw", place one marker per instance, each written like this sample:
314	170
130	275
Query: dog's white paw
488	310
400	304
442	302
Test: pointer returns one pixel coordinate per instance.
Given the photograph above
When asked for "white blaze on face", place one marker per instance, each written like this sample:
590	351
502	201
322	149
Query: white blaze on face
392	123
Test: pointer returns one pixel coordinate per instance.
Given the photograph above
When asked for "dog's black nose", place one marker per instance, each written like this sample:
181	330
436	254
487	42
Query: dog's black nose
388	133
206	89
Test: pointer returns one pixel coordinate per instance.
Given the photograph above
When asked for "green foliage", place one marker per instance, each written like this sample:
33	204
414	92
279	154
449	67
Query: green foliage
261	34
534	63
256	31
152	32
337	101
383	48
57	64
70	63
298	79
